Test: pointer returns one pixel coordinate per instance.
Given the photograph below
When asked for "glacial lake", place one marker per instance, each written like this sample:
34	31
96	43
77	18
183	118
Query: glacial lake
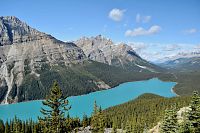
83	104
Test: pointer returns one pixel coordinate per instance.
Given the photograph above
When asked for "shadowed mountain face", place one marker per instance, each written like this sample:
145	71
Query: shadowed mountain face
31	60
121	55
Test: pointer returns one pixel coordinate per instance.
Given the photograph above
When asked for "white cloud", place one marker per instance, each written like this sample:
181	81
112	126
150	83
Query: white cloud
191	31
116	14
143	19
141	31
157	52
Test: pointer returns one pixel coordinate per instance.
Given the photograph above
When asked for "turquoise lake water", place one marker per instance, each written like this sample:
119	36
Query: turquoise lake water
84	103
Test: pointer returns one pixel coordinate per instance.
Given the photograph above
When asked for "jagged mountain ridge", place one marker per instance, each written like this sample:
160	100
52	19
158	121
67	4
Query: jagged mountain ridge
31	60
104	50
12	31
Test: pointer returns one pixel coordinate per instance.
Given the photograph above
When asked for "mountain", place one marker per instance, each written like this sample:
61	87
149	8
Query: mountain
31	60
183	62
121	55
24	50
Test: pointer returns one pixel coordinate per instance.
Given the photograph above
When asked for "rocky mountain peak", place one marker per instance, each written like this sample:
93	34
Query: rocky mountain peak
13	30
104	50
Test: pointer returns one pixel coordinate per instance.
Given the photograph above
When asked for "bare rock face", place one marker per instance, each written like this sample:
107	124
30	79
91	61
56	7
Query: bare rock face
104	50
12	30
24	49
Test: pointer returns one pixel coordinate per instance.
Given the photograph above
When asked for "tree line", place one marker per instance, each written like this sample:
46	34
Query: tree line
134	116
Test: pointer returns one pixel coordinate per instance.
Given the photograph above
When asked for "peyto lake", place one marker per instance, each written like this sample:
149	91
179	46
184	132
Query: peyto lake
84	103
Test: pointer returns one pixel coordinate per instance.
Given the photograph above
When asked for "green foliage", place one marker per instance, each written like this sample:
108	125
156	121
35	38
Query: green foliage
169	124
85	121
112	75
72	123
191	121
18	126
97	120
76	79
54	113
136	116
142	113
187	82
2	127
194	114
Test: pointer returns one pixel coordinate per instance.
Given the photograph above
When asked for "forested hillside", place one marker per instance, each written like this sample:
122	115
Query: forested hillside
142	113
75	80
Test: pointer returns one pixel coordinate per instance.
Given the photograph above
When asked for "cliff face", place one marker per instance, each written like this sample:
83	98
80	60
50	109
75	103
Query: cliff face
24	49
122	55
12	30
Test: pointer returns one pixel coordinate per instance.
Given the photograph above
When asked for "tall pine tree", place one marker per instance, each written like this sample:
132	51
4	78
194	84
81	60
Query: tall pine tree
169	124
54	111
97	120
194	113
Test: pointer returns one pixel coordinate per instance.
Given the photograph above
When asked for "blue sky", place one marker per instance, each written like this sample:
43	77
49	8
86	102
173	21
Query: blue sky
150	26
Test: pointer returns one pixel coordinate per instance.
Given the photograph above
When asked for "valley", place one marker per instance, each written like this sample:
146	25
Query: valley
89	72
28	57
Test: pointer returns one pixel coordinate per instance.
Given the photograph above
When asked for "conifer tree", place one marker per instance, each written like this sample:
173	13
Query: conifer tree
169	124
69	123
85	121
54	111
97	120
94	119
185	126
101	120
194	113
2	127
7	128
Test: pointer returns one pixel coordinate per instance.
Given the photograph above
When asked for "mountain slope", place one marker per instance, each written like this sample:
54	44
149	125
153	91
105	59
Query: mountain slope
183	64
31	60
104	50
24	50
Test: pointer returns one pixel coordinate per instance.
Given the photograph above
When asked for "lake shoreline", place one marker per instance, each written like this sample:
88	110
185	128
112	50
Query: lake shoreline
84	103
172	90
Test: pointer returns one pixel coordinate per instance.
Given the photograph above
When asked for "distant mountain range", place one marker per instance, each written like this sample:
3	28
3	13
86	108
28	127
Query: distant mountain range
30	60
183	62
